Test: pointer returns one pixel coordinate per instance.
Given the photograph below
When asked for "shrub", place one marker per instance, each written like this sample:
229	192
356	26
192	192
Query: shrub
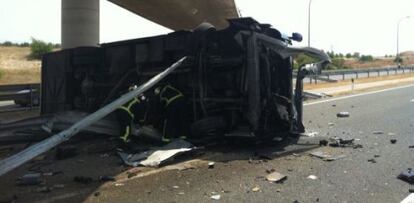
348	55
38	48
302	59
366	58
7	43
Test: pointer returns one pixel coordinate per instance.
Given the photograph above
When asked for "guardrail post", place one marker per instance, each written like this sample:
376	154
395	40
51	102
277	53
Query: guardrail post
388	72
395	71
378	73
403	70
356	75
368	73
327	76
316	79
310	79
31	96
343	76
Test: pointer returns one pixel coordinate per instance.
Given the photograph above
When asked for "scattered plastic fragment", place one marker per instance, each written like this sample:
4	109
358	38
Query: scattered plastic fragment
312	177
275	177
215	197
393	141
211	165
256	189
325	156
342	114
372	161
378	132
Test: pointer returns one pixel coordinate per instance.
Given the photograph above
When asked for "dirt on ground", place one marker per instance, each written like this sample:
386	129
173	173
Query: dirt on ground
16	68
408	59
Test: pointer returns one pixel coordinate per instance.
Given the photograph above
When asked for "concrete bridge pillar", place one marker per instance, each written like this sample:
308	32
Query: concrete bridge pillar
80	23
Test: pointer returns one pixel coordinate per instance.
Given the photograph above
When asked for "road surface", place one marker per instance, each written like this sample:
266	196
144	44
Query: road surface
238	173
351	179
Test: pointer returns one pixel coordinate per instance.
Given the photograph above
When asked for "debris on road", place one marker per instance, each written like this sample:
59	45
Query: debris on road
411	146
372	161
408	199
153	158
211	165
311	134
325	156
339	142
376	155
256	189
275	177
342	114
393	141
323	143
215	197
407	176
391	134
312	177
29	179
331	124
378	132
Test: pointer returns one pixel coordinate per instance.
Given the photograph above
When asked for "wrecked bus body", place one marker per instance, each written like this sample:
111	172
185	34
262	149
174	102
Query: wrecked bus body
236	81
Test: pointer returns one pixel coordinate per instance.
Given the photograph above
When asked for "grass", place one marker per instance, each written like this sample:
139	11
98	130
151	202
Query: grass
15	68
312	86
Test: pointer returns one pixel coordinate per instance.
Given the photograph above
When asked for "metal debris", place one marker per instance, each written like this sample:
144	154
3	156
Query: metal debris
407	176
378	132
342	114
30	179
153	158
275	177
372	161
211	165
312	177
326	156
393	141
323	143
215	197
256	189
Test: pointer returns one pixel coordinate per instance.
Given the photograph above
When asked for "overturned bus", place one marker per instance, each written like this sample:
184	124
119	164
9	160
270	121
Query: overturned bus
236	81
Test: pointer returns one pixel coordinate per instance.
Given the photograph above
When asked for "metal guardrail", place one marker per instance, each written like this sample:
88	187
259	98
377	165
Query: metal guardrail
27	95
335	75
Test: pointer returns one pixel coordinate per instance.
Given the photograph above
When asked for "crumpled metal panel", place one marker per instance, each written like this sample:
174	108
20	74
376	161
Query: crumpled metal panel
182	14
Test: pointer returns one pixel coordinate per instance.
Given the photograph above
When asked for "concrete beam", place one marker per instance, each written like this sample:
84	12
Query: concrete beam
182	14
80	23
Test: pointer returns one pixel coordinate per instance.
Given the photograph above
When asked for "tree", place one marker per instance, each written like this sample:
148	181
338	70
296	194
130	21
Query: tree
348	55
366	58
39	48
356	55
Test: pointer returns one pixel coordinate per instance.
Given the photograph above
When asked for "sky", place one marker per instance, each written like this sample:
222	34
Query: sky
342	26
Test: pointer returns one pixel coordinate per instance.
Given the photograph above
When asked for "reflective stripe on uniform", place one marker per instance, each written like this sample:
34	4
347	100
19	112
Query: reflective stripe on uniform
126	134
127	108
169	100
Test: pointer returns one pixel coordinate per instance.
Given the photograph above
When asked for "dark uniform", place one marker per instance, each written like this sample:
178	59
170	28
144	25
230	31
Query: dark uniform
175	123
128	114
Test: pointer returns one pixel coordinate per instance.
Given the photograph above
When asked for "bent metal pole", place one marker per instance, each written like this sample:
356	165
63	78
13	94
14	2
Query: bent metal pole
22	157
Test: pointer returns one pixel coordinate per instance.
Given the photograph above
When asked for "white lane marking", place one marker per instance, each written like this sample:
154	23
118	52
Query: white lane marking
356	95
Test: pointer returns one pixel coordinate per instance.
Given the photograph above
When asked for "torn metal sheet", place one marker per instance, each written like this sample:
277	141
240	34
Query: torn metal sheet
153	158
326	156
29	153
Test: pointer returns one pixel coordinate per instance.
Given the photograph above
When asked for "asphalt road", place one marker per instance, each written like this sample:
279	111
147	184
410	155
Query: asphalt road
351	179
238	175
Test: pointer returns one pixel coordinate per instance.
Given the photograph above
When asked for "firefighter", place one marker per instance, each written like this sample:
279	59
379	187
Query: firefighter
173	104
129	114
